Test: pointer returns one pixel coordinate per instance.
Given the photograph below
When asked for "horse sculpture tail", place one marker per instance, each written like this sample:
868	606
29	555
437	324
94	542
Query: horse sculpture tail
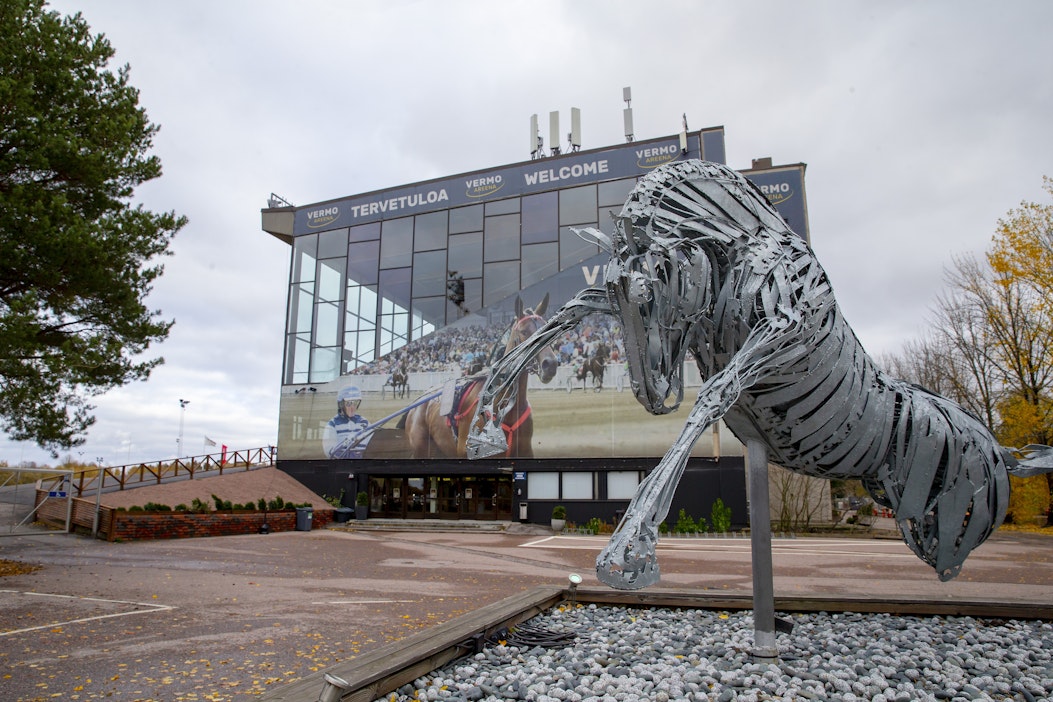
1038	459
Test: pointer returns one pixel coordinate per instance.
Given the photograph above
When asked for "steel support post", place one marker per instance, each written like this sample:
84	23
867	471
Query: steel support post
764	648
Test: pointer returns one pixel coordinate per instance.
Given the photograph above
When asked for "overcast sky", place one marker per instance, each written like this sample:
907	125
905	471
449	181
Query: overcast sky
921	123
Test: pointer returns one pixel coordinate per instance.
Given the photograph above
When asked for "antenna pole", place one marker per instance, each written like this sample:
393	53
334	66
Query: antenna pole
627	114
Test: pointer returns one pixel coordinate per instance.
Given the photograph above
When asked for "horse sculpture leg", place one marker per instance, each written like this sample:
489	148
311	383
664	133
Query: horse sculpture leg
629	561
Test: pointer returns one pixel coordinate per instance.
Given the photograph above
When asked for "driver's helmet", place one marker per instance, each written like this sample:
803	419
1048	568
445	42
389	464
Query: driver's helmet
348	400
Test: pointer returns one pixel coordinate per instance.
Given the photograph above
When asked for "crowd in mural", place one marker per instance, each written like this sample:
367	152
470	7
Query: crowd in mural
452	347
467	349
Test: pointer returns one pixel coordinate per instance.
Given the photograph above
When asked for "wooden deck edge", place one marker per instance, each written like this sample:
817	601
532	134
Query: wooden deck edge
821	603
376	673
380	671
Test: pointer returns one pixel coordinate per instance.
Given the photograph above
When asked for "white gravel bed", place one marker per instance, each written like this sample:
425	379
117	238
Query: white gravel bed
614	654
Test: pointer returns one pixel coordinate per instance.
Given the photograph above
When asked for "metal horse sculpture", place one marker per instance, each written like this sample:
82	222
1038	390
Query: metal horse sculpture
701	263
431	432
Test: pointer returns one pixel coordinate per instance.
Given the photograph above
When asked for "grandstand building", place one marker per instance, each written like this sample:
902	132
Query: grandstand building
426	281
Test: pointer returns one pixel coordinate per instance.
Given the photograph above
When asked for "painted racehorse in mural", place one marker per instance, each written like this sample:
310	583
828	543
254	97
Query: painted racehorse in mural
595	365
701	263
431	432
399	382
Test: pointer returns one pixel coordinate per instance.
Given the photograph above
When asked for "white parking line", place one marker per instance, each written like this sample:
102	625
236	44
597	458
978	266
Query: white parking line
151	608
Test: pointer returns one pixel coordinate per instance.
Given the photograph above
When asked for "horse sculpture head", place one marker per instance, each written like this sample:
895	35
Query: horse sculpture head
669	255
661	280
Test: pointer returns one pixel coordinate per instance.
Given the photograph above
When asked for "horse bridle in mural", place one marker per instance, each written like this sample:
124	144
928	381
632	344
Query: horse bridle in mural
702	263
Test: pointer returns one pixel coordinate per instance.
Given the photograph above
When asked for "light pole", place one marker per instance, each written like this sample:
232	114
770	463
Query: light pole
182	412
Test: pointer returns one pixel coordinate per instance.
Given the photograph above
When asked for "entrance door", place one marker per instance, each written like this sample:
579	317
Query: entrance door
479	497
465	497
503	499
415	498
447	498
486	497
385	497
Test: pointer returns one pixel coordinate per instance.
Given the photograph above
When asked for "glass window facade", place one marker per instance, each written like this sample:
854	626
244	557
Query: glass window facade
622	484
430	255
396	243
577	486
357	293
542	485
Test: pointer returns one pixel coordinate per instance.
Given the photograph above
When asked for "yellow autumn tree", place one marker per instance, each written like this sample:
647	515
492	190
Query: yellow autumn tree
990	343
1029	498
1022	256
1023	244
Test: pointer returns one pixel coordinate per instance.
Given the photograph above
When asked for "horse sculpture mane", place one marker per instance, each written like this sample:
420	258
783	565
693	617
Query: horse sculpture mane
701	263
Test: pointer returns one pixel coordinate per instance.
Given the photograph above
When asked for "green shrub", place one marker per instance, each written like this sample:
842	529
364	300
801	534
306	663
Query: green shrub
685	524
595	525
154	507
135	508
181	508
720	515
663	528
261	504
559	512
197	505
276	504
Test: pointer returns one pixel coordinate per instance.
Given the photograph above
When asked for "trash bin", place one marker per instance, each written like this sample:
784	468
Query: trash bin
522	511
304	517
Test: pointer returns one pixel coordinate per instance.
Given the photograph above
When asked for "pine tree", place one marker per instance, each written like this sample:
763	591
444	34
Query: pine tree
77	259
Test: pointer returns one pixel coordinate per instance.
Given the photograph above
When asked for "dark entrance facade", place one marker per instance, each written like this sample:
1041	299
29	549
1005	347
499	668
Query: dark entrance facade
483	497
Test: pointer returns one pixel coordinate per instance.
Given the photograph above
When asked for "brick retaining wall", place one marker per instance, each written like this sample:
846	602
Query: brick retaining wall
135	526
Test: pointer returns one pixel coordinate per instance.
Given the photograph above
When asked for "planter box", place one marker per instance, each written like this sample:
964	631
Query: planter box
134	526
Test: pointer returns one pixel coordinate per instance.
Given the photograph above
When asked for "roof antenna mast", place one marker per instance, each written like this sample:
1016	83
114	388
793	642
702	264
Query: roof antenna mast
627	114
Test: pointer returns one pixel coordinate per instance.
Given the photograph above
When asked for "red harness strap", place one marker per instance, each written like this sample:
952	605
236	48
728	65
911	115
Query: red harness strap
463	411
510	431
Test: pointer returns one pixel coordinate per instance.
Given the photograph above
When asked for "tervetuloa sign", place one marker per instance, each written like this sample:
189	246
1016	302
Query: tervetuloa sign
627	160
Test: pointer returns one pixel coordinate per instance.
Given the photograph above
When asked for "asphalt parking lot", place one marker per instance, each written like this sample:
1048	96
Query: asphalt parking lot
228	618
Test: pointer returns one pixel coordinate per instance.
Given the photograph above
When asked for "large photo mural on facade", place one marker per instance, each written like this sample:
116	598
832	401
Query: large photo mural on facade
415	402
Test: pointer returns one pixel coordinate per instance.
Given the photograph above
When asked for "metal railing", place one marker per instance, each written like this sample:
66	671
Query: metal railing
94	480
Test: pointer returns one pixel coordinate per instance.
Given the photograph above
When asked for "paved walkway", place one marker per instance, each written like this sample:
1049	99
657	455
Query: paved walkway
226	618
